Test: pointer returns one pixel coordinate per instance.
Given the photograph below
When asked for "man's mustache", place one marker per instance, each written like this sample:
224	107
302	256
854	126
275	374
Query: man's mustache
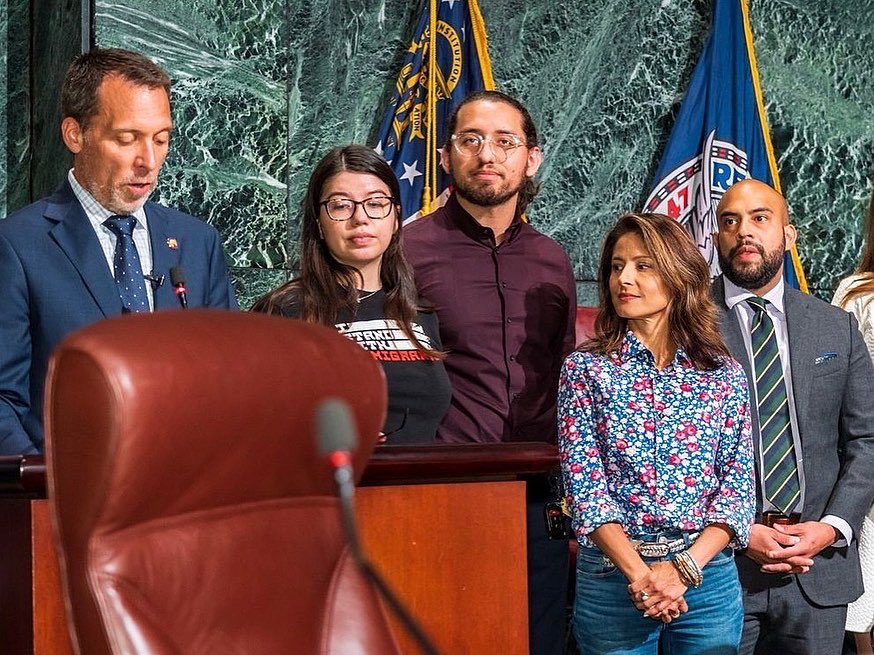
758	247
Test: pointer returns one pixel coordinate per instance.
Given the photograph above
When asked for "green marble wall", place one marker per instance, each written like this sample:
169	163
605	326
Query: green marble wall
228	161
603	77
14	104
264	87
600	79
817	66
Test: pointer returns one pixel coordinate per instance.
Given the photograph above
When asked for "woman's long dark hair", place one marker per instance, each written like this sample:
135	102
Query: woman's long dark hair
692	316
326	286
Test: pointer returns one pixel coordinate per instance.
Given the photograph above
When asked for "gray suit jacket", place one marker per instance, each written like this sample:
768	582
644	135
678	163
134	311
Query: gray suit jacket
833	385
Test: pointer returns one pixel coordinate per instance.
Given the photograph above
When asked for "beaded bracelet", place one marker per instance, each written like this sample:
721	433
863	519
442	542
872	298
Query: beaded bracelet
690	573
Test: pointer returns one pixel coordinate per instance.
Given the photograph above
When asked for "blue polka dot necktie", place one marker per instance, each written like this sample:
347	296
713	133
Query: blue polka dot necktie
781	484
126	265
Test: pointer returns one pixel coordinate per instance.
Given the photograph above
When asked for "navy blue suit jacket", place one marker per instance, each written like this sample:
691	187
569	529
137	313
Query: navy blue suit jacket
54	279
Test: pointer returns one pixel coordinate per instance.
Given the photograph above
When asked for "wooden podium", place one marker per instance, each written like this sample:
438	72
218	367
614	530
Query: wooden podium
444	524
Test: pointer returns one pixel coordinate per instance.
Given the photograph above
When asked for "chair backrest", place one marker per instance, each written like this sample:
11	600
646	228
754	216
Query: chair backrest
585	323
193	511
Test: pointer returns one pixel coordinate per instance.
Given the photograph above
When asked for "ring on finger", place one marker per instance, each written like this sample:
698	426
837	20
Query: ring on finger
643	596
674	614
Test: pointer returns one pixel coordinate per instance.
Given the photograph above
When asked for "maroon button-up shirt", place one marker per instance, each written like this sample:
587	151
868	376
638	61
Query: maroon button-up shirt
506	317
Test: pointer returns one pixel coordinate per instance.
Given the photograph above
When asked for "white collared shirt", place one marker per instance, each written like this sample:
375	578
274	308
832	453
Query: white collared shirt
735	298
97	213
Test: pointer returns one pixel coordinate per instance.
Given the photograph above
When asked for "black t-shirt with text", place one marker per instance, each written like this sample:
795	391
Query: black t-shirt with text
417	384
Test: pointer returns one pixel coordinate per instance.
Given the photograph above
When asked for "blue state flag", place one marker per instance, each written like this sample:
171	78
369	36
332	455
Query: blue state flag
720	136
447	60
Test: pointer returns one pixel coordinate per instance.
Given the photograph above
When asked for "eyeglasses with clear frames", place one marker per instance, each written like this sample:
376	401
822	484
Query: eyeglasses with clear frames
342	209
471	144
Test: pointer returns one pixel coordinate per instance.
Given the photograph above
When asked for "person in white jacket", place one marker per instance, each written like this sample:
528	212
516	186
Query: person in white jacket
855	294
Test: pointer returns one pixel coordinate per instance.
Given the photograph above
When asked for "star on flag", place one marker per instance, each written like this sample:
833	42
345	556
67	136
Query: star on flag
411	172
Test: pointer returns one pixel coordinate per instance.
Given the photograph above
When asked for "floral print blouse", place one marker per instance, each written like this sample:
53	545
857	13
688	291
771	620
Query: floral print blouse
655	450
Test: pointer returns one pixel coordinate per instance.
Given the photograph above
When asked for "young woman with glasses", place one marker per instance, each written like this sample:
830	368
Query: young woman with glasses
353	276
656	453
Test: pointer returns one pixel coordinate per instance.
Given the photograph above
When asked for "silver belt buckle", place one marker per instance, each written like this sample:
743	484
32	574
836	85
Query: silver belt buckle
663	547
652	549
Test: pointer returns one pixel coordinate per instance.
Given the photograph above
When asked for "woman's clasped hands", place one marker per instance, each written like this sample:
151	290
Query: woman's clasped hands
659	593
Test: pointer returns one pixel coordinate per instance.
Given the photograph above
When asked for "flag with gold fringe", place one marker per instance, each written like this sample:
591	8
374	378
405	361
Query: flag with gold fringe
447	60
720	137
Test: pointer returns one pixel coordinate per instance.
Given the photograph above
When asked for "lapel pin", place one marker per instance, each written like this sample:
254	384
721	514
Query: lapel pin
172	244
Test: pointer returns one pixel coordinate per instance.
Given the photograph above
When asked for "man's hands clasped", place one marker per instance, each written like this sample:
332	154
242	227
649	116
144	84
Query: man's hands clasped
789	548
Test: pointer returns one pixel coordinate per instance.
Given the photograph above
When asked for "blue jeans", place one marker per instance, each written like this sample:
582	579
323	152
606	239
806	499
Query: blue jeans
607	623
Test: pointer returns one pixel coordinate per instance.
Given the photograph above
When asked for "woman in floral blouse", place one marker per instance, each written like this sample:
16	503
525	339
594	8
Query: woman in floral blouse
656	453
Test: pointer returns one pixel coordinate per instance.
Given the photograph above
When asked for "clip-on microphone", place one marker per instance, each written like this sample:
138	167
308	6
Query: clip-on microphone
177	279
157	281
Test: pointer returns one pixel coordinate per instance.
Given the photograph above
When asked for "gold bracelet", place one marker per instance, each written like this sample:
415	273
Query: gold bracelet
690	573
683	571
684	577
696	575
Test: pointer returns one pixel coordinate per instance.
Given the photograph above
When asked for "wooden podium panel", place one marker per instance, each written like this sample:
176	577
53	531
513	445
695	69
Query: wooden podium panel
49	622
444	524
456	556
454	553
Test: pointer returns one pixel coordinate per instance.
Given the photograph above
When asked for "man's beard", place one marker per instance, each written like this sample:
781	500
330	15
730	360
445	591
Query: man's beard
752	277
111	198
488	196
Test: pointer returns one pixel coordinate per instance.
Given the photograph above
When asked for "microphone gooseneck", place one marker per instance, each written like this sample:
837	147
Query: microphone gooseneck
336	435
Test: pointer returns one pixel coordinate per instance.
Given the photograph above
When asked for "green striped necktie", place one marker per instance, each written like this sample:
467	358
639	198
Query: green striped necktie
781	484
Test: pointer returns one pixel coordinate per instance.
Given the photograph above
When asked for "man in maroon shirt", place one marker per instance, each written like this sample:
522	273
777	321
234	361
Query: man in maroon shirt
504	293
505	298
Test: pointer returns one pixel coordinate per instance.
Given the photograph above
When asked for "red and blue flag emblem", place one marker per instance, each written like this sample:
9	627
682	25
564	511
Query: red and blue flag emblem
720	136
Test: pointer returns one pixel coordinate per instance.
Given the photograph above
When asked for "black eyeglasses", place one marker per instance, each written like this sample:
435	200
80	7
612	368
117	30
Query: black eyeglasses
400	427
342	209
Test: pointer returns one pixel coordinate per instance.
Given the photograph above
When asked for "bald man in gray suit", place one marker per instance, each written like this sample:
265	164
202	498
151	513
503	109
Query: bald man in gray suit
813	433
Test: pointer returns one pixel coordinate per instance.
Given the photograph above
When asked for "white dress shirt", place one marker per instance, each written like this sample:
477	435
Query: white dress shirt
97	213
735	298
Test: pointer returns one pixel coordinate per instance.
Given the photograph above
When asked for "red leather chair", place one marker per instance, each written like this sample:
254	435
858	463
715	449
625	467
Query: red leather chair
192	510
585	323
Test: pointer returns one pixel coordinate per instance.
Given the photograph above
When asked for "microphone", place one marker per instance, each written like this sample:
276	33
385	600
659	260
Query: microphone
337	438
157	281
177	279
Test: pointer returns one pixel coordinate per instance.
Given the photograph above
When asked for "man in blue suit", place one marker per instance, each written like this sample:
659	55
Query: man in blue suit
64	260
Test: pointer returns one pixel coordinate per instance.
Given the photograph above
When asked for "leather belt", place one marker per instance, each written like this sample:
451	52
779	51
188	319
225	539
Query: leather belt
771	519
662	547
